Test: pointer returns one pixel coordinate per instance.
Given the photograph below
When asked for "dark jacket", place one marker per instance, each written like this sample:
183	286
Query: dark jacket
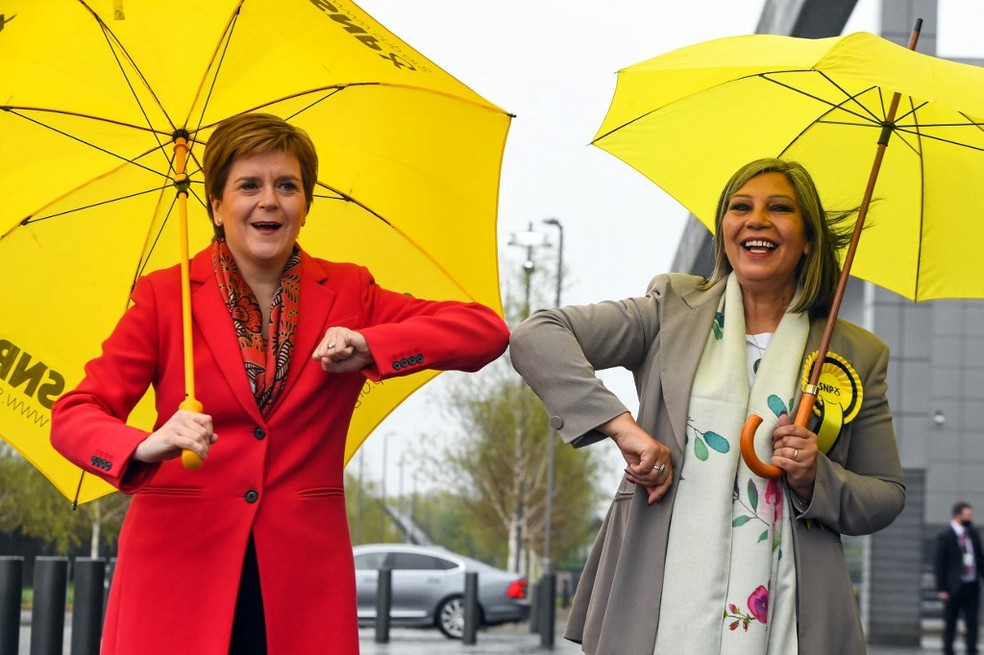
949	559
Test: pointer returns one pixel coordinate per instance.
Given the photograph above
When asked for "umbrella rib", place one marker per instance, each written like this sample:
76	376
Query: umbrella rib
18	111
148	251
938	139
152	245
347	198
865	115
870	117
112	39
219	57
108	201
340	195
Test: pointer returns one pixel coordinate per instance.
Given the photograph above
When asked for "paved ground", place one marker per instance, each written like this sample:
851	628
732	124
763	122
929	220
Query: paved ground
510	639
519	640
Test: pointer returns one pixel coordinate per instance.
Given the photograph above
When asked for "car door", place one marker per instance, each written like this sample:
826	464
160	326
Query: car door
421	581
367	567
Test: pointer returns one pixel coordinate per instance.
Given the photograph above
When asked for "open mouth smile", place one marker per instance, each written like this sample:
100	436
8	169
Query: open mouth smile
759	245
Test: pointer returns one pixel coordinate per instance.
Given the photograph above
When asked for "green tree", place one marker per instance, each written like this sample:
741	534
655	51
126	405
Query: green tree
368	520
499	467
32	506
499	462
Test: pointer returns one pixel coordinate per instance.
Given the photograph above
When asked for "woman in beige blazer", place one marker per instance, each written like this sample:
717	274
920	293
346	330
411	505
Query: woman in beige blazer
644	585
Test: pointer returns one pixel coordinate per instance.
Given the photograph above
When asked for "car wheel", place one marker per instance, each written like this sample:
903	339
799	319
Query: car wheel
451	617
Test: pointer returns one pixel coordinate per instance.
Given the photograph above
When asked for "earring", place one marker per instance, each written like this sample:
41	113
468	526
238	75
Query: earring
218	222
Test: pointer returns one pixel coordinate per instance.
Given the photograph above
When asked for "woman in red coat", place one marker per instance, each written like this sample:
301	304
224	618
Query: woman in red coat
251	553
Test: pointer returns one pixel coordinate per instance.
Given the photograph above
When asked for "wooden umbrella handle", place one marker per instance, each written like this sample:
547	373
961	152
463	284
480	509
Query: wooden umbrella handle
747	442
755	465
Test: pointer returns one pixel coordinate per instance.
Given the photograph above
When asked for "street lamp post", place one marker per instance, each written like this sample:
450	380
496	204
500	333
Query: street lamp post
528	239
544	603
548	512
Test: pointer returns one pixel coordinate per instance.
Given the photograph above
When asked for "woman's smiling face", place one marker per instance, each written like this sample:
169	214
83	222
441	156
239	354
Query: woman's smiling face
262	209
764	234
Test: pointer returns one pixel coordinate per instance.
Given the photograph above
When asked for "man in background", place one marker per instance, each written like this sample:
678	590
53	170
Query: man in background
959	567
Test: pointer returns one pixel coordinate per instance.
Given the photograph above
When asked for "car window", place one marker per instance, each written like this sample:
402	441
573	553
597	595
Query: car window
418	561
370	561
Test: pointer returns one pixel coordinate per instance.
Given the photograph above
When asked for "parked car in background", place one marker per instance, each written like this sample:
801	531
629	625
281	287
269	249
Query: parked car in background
428	585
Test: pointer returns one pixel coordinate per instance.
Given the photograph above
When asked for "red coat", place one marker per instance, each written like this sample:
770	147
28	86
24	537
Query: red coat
183	540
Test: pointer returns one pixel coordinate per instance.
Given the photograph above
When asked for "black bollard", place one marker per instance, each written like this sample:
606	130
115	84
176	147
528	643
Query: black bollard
11	588
87	609
565	593
471	609
48	612
384	601
547	594
534	612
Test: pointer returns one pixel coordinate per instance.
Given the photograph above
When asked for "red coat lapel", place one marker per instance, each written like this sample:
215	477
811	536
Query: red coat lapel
317	299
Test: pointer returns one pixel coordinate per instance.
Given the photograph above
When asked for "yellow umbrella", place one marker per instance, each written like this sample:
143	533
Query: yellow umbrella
868	118
690	118
101	105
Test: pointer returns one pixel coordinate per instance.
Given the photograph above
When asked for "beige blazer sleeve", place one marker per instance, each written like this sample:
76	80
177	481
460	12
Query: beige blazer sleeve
558	351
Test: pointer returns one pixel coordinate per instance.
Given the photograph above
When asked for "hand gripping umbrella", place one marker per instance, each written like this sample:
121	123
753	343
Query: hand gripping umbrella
688	119
105	109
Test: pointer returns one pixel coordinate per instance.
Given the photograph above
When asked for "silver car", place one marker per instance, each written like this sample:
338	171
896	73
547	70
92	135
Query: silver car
428	584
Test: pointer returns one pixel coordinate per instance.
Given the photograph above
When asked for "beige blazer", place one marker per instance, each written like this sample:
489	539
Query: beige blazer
659	338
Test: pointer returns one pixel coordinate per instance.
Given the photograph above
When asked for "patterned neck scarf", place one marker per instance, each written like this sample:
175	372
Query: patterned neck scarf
266	357
729	579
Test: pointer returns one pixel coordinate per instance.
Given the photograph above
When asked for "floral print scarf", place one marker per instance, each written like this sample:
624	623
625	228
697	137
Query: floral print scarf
266	357
729	582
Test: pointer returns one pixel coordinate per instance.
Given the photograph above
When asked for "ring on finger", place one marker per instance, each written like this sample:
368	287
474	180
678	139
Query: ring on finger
659	469
796	454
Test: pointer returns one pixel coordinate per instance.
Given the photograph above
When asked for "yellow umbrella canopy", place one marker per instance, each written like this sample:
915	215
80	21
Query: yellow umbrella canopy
689	118
91	98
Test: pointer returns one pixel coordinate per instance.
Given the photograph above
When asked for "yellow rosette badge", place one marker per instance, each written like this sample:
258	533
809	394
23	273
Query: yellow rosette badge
839	396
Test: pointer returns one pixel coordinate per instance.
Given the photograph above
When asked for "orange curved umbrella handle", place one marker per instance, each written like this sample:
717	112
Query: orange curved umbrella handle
189	458
757	466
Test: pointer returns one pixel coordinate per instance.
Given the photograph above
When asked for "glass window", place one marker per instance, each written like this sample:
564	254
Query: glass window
369	561
418	561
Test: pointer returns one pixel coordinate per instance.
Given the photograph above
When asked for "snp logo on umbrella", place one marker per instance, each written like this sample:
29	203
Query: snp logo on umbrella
4	20
362	35
29	377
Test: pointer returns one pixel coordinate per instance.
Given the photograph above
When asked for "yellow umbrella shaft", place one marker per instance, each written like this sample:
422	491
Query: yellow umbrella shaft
189	459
